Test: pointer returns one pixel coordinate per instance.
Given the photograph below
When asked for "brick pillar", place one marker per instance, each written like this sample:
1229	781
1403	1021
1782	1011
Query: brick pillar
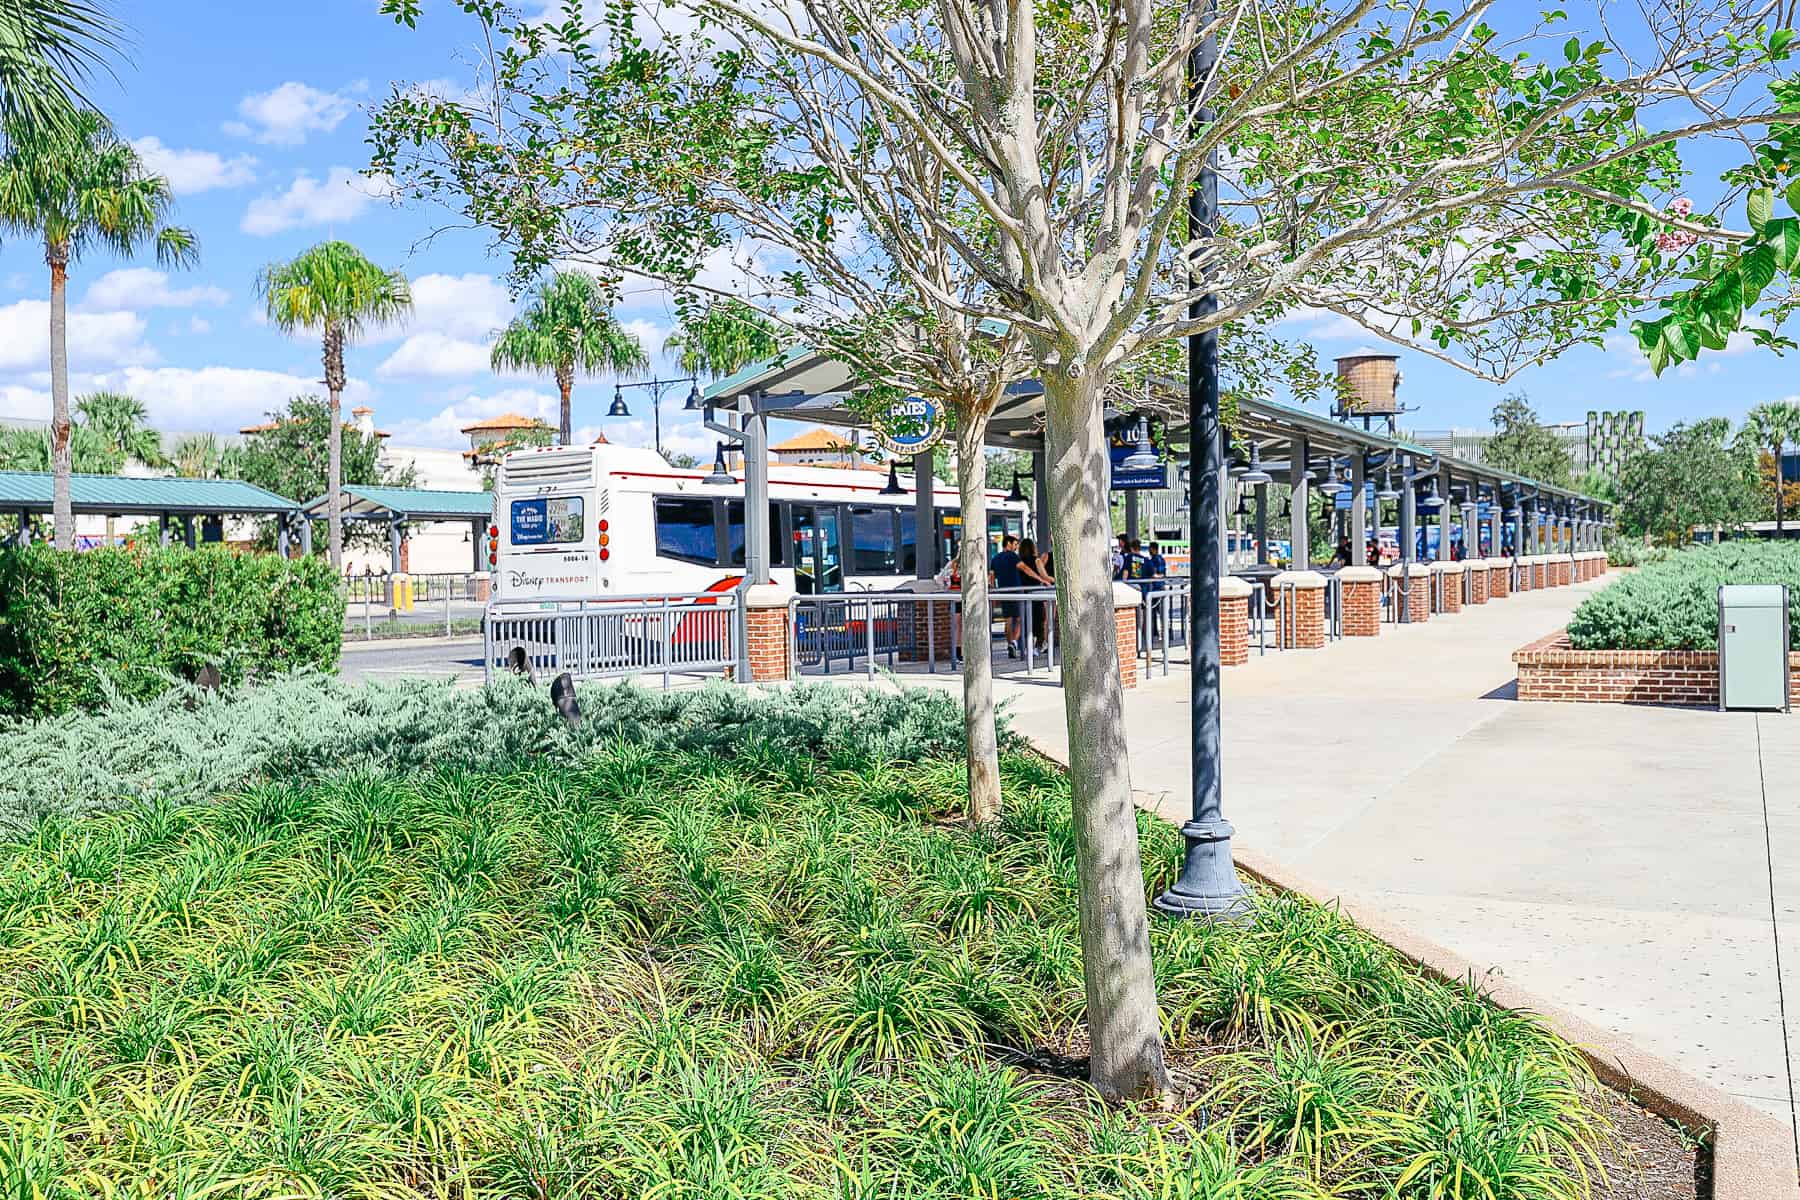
925	628
1300	619
1234	621
481	586
1362	601
1559	570
1477	570
1417	580
1499	578
1450	585
766	632
1127	601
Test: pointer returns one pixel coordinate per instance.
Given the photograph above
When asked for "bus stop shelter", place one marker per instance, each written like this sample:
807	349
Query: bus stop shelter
401	507
1274	446
30	494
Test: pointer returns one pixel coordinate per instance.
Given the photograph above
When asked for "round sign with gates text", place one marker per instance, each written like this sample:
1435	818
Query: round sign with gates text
913	426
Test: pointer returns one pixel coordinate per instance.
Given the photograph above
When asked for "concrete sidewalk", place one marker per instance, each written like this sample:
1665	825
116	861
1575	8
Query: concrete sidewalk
1612	859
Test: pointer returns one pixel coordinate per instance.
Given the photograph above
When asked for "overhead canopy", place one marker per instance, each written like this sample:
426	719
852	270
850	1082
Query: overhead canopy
369	503
121	495
805	385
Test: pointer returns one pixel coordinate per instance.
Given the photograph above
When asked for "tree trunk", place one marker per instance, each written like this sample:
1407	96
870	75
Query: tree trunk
565	384
1778	489
334	447
61	453
1123	1023
983	749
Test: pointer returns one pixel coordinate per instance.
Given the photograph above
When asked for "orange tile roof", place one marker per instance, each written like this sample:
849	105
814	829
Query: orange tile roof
502	422
815	439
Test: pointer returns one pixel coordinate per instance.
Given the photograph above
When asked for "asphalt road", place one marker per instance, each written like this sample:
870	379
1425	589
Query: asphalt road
421	658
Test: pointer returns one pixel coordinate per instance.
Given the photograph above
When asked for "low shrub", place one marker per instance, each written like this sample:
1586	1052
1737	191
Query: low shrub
77	630
1673	604
1622	551
656	972
185	746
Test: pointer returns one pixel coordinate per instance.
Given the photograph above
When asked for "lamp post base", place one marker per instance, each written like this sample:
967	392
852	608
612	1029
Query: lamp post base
1208	885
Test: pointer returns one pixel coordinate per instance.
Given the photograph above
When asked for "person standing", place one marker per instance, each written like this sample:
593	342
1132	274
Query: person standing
1035	572
1003	573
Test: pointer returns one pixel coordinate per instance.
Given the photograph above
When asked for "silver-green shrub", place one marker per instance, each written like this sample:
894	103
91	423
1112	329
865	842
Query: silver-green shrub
1673	604
186	746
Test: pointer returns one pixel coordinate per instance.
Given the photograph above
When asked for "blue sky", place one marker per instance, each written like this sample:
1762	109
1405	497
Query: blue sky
257	112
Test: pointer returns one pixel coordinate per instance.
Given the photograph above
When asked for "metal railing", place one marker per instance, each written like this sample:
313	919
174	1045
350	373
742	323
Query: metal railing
436	586
1264	612
867	630
691	633
1163	619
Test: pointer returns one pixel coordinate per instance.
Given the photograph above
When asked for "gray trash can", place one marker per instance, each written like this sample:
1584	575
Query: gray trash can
1753	646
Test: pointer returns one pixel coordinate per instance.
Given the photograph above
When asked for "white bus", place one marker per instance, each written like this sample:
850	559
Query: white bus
583	523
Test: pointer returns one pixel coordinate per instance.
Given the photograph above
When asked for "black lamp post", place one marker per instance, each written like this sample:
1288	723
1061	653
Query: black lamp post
1208	885
658	388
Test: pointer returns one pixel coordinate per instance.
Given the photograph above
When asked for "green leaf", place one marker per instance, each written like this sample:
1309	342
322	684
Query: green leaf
1572	49
1793	195
1760	207
1783	237
1779	41
1758	270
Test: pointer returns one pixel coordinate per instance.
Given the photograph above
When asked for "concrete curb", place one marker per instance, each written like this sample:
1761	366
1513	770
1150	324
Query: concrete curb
435	639
1752	1152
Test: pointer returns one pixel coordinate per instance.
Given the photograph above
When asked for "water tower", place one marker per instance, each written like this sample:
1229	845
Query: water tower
1369	388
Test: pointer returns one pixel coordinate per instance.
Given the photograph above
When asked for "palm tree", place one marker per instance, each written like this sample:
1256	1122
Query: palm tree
334	290
122	422
722	338
564	328
198	456
81	188
47	48
1771	426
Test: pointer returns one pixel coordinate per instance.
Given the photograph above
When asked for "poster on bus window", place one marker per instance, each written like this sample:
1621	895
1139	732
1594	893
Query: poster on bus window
546	519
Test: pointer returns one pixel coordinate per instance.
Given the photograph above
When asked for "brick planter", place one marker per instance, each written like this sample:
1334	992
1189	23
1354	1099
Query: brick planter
1499	578
1551	669
1234	621
1450	586
926	630
1417	583
1300	619
1362	601
1477	569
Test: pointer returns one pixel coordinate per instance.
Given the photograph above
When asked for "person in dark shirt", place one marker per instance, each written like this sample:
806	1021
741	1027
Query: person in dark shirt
1003	572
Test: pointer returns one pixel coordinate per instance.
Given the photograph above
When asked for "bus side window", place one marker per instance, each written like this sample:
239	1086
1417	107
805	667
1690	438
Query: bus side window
684	530
873	551
909	541
734	525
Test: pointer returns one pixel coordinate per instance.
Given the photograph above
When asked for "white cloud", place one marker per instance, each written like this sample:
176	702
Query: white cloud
444	428
434	356
199	325
29	403
287	114
142	287
191	171
97	340
649	334
341	196
470	307
218	398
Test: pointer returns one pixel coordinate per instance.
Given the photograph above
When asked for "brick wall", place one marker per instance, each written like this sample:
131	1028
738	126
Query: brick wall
1125	640
1362	607
1559	572
1478	584
1234	631
766	641
1551	669
1500	580
1540	575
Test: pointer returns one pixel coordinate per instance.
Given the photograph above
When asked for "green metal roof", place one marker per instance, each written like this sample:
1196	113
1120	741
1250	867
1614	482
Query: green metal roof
30	491
418	504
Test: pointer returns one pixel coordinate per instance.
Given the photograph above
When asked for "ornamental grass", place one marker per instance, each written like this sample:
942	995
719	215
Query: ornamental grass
649	968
